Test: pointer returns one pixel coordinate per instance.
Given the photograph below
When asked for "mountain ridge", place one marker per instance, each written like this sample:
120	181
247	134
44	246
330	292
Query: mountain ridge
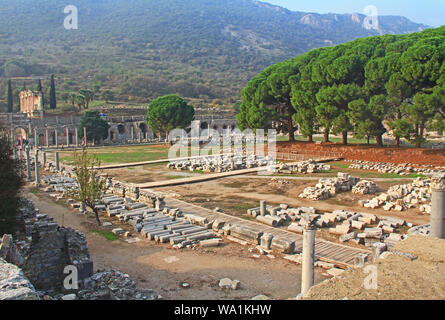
201	49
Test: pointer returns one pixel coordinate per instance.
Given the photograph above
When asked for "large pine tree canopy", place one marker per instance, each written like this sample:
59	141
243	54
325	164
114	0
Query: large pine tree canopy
354	87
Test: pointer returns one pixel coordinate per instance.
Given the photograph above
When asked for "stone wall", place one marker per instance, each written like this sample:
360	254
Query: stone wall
47	249
419	156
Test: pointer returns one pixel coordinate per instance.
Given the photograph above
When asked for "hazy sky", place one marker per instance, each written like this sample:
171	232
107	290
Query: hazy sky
430	12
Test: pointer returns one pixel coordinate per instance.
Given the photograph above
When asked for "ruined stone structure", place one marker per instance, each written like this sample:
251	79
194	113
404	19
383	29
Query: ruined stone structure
31	103
55	131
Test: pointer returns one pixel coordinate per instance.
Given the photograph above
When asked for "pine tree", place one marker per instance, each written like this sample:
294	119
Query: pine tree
10	98
52	94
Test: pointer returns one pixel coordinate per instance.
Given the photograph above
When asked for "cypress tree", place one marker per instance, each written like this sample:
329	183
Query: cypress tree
40	89
10	98
39	86
52	94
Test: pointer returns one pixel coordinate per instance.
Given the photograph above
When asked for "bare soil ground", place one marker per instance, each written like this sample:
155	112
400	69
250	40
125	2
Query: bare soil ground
398	278
163	269
237	194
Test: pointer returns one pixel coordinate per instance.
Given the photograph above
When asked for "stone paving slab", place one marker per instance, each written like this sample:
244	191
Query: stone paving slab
324	250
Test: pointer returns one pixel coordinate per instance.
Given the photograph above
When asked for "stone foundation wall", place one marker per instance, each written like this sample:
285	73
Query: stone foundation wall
420	156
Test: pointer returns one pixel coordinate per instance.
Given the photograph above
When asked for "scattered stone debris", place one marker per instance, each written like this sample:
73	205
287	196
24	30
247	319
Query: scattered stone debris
400	169
365	187
328	187
226	283
403	197
112	285
14	285
41	257
309	166
220	163
160	224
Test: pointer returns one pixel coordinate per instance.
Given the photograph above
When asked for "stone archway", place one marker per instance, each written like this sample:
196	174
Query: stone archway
143	129
20	133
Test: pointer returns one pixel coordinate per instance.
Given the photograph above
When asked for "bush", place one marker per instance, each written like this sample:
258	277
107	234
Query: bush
10	184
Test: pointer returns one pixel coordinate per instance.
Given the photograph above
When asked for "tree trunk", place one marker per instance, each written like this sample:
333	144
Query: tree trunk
310	138
368	137
417	136
96	213
291	130
421	132
345	137
326	135
397	142
290	123
379	140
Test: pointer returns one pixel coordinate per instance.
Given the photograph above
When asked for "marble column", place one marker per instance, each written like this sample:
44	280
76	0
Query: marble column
56	133
36	165
437	219
57	161
308	254
76	132
28	164
47	137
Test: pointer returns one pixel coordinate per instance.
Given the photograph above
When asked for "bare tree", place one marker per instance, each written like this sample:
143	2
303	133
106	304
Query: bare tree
91	184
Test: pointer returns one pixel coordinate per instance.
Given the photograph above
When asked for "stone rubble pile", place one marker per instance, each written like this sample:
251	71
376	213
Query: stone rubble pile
309	166
423	230
403	197
400	169
222	163
160	224
365	187
277	216
37	258
14	285
359	228
112	285
328	187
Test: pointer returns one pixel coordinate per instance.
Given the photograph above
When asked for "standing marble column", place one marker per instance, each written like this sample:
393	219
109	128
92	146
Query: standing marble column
36	138
132	135
28	164
57	161
85	135
44	159
56	133
263	208
437	218
308	253
36	165
67	136
76	132
47	137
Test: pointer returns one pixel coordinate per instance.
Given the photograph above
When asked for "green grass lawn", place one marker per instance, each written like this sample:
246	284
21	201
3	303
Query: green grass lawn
122	154
106	234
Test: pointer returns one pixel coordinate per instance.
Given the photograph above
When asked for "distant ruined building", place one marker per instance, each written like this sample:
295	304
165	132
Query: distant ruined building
31	103
47	130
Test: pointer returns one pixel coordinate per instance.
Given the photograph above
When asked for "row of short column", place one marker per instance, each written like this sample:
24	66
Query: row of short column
56	137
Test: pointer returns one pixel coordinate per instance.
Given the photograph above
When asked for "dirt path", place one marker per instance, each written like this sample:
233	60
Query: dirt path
161	268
